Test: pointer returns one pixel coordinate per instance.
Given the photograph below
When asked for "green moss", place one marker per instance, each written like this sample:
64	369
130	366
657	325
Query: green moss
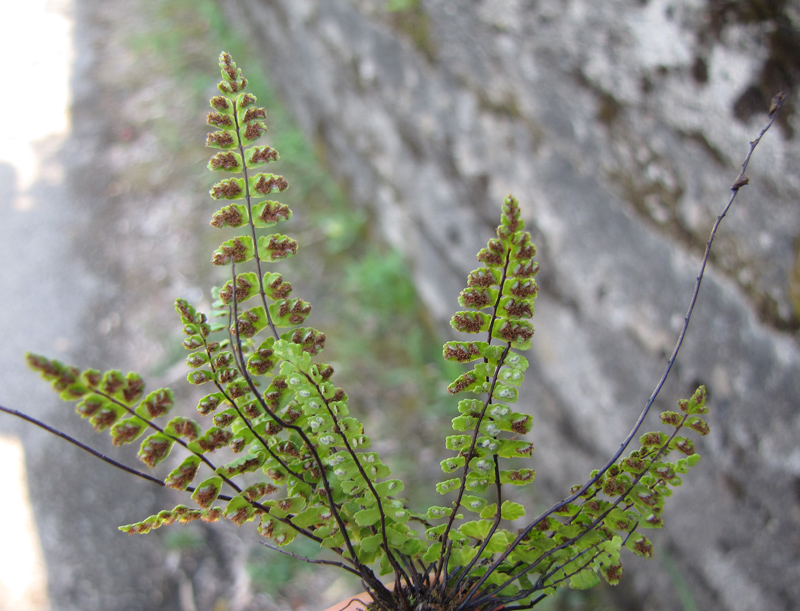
408	17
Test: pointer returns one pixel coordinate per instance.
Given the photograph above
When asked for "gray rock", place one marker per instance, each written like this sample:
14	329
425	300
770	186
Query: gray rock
620	126
84	268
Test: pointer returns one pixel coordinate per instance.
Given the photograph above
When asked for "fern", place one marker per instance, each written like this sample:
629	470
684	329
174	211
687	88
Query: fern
303	464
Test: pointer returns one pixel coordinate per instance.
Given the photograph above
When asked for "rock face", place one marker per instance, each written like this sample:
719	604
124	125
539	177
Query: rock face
100	222
620	126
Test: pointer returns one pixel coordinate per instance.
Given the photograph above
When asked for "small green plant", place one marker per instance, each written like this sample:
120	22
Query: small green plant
302	468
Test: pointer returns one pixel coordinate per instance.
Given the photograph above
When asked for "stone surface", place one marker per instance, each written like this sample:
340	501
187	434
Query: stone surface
86	237
53	270
620	126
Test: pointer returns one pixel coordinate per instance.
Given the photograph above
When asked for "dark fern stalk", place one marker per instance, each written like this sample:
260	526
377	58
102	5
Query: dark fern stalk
303	465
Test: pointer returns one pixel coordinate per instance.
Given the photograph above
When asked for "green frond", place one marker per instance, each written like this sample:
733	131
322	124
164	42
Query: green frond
183	475
207	491
270	213
127	430
155	448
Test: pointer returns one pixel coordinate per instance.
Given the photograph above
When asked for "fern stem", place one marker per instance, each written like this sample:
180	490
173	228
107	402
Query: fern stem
497	518
339	565
524	532
81	445
399	572
328	493
177	440
261	290
463	486
238	355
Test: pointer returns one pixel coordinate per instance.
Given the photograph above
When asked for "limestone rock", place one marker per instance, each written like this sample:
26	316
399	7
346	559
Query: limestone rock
620	126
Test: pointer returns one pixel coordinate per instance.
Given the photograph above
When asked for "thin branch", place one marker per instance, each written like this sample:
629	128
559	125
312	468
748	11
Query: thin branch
82	445
95	453
740	181
339	565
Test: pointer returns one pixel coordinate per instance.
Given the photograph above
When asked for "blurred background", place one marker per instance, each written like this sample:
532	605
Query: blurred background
402	124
